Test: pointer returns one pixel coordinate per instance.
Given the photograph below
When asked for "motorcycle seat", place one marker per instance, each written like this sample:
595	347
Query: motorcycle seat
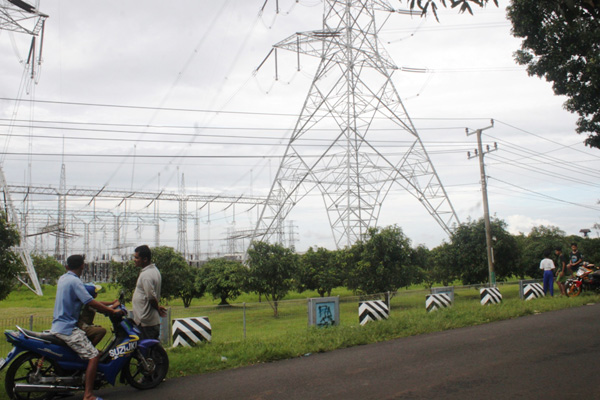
45	336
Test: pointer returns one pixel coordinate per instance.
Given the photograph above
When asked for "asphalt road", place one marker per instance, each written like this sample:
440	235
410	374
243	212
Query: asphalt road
553	355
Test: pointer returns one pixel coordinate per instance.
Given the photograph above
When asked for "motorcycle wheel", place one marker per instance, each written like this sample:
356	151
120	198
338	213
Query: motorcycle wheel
21	370
137	376
573	290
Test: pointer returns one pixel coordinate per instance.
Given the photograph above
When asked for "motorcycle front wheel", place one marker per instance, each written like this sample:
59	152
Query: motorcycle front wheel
573	290
150	374
23	370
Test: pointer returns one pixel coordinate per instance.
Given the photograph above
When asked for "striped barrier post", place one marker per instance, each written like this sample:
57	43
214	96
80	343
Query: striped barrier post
533	291
438	300
373	310
190	331
490	296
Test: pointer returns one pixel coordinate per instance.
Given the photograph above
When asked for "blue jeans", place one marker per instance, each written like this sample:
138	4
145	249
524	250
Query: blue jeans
549	282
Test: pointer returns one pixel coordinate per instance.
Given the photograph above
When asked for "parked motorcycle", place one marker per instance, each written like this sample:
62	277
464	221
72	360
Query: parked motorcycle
587	277
47	367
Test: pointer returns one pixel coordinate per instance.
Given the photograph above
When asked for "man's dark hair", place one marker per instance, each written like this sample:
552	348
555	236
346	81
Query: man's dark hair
144	252
574	244
547	253
75	261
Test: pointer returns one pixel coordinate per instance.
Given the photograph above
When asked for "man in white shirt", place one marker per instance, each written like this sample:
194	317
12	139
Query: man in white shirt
146	297
547	265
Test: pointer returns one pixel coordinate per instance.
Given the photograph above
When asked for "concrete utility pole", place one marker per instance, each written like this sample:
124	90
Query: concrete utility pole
486	211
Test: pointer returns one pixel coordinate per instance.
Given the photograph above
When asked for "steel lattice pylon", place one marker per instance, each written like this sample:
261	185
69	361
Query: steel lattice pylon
351	107
21	17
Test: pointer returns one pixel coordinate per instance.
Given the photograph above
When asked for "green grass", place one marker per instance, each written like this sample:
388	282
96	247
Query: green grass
288	336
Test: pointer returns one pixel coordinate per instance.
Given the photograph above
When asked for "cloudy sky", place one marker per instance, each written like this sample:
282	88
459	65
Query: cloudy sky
134	95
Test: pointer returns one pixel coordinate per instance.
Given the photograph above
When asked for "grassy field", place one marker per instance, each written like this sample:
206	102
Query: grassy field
267	339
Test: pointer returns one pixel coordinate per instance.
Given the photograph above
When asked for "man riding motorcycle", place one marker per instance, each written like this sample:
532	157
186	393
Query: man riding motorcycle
71	295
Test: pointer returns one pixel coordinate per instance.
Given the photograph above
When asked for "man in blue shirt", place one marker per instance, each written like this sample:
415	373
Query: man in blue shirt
71	295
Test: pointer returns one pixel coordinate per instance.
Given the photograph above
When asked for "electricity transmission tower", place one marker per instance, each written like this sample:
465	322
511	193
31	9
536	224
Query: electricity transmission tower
21	17
352	109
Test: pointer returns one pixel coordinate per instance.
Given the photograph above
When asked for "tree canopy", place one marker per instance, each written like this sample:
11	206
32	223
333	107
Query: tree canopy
47	268
224	279
10	263
561	43
381	262
271	272
467	255
319	270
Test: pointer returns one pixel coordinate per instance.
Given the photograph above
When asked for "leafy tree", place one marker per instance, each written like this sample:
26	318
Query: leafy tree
427	6
318	270
533	245
224	279
438	268
468	252
10	263
192	287
272	268
560	43
47	268
126	275
174	270
420	259
380	262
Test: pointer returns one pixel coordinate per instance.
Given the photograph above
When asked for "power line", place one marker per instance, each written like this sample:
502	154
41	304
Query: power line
547	196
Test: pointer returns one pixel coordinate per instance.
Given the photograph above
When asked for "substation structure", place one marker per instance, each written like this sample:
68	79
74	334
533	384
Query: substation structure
83	224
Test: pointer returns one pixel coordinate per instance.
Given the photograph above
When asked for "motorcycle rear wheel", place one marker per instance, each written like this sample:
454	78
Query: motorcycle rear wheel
573	290
137	376
21	370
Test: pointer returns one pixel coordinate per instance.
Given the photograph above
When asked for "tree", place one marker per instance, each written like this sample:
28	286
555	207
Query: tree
47	268
272	268
432	5
318	270
380	262
126	275
174	270
533	245
192	287
10	263
438	268
468	255
560	44
224	279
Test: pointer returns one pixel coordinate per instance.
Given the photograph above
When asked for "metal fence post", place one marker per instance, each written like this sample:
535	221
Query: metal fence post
244	308
31	322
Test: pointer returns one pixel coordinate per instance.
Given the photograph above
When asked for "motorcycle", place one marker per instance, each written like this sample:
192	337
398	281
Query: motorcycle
587	277
43	366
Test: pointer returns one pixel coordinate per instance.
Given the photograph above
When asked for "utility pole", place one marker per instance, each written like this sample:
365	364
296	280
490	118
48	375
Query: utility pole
486	211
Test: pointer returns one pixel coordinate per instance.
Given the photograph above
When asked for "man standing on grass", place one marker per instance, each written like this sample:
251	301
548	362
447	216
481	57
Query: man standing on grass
576	259
146	297
71	295
561	270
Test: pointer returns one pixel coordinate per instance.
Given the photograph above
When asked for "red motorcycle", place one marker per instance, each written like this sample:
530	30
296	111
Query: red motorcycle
587	277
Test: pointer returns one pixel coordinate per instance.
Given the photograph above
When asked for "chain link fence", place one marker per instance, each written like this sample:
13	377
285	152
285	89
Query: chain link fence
254	321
